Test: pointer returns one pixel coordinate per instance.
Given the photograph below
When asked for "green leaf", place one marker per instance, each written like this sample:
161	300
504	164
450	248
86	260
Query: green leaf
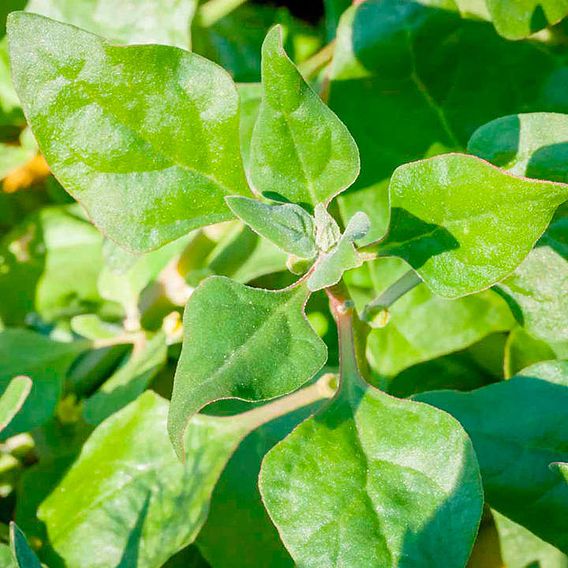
46	362
520	548
128	382
250	97
90	326
13	157
517	19
300	151
422	326
13	398
342	257
327	229
151	21
463	224
374	481
288	226
241	342
518	428
6	557
534	145
141	502
37	259
25	556
237	519
158	176
406	80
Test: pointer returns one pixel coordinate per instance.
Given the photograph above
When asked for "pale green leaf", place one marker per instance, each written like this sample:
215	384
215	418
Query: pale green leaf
422	326
464	224
90	326
517	19
520	548
46	362
533	144
138	21
518	428
128	381
288	226
140	504
25	556
300	151
13	398
172	131
327	229
374	481
241	342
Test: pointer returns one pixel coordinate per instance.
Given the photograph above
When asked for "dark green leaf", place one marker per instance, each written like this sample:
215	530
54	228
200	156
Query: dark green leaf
158	176
25	556
518	428
300	151
13	398
241	342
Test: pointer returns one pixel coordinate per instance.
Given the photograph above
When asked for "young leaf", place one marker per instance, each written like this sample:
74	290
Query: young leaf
46	362
155	21
300	151
534	145
140	499
518	428
374	481
13	398
342	257
25	556
463	224
241	342
169	119
288	226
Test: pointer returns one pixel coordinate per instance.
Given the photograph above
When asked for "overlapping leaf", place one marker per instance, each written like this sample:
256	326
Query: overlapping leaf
519	428
172	141
241	342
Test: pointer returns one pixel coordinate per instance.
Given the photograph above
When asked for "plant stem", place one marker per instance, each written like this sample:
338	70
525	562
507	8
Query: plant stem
214	10
312	65
404	284
261	415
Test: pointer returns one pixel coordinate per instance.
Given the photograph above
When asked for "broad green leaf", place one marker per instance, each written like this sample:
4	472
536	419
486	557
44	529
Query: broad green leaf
463	224
13	398
518	428
520	548
374	481
25	556
237	518
241	342
536	291
159	175
422	326
250	97
140	21
342	257
288	226
300	151
128	382
517	19
141	505
533	145
49	264
46	362
406	80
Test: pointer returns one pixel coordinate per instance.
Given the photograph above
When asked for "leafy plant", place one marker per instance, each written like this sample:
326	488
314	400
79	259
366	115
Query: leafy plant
324	320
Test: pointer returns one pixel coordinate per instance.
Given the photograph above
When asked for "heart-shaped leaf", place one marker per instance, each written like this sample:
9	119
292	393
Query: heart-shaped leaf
464	224
519	428
241	342
300	151
374	481
168	119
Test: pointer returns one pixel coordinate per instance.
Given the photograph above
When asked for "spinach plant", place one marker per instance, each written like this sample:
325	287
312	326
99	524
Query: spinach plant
438	402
